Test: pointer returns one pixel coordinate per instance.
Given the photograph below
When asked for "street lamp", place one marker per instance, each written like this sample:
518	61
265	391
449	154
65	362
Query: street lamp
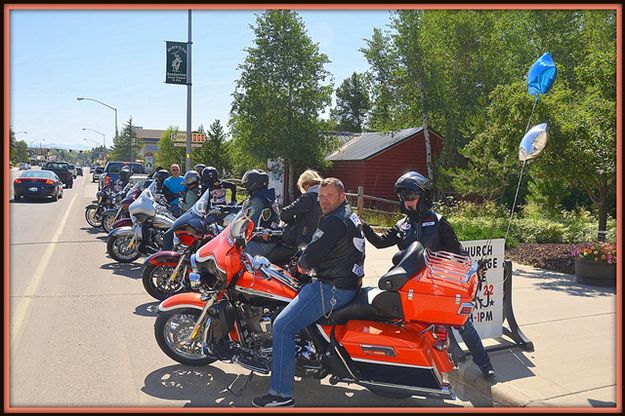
106	105
94	142
103	138
18	132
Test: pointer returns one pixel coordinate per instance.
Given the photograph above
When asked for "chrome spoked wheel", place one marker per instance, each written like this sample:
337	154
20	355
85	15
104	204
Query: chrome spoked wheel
91	215
156	281
118	248
173	334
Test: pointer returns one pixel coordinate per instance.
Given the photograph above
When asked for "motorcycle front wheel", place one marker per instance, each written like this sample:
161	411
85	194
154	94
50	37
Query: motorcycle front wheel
107	221
117	248
156	281
92	216
172	330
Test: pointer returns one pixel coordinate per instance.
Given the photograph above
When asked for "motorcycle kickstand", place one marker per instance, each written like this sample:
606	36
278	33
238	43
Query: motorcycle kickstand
239	391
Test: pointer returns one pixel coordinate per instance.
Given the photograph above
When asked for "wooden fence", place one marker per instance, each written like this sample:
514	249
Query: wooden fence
360	202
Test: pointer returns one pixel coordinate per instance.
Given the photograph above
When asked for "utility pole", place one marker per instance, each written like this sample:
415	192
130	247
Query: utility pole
188	147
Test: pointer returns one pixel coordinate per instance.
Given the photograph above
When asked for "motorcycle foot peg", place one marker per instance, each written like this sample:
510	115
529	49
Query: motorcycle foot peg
333	380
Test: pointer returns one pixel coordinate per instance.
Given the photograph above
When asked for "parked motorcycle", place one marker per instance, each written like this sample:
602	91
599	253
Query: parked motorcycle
123	201
166	272
93	212
392	339
150	219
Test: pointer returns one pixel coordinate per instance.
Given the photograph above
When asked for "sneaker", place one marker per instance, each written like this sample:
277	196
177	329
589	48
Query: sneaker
488	372
269	400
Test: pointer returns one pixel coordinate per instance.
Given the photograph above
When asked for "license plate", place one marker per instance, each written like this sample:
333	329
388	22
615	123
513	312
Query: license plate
32	189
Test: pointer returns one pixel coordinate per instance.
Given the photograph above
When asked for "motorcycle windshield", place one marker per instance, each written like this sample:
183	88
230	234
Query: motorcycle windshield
202	205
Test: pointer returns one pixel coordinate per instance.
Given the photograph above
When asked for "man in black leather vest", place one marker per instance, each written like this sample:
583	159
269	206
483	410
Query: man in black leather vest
337	253
434	232
261	207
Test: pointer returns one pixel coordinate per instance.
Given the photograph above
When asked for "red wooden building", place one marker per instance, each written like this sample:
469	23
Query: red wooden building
376	160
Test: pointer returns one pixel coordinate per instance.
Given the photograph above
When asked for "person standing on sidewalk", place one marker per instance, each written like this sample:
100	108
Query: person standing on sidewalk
176	185
433	231
337	253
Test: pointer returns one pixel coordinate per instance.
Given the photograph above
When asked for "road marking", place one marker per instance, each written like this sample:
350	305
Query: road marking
33	285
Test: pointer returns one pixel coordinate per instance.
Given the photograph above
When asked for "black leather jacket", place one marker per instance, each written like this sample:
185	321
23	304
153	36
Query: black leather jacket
304	214
262	208
432	230
337	249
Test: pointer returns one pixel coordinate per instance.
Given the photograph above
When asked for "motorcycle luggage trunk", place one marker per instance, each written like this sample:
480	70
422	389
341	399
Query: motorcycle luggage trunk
387	353
437	294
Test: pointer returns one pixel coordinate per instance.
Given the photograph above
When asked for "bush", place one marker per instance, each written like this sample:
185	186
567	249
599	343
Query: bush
531	230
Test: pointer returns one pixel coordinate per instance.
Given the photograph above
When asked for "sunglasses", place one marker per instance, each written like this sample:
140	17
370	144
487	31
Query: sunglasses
409	196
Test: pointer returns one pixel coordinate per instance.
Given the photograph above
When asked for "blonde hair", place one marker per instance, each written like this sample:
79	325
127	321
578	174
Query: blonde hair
309	176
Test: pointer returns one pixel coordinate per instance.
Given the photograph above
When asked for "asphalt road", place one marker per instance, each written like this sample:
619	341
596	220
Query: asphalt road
82	327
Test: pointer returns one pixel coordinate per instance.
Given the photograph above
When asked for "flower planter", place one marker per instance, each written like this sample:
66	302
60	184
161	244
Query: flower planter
595	273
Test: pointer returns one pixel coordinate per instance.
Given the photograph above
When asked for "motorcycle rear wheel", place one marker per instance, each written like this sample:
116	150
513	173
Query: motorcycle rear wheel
91	216
117	248
172	330
155	279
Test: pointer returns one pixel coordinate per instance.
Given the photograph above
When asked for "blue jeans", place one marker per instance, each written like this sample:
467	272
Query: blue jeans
473	342
301	312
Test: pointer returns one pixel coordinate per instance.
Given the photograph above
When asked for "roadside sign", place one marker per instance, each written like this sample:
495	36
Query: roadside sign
177	144
488	311
181	137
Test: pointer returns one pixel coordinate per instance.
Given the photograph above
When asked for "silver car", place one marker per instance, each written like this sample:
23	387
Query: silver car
72	168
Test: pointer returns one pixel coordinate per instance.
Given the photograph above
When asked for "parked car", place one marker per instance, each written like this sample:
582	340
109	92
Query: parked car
72	168
62	171
96	172
24	166
111	172
38	184
79	170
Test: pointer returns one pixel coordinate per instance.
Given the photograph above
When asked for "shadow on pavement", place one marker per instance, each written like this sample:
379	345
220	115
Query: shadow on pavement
565	283
32	201
130	270
206	386
94	230
147	309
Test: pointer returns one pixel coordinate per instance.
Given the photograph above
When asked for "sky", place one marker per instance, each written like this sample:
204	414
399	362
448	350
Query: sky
118	57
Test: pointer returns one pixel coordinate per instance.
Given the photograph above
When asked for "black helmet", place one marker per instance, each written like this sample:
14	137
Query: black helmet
199	167
412	183
254	179
192	178
210	175
160	176
125	174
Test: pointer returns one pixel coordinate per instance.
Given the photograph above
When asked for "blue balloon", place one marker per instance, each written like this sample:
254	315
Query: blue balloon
541	75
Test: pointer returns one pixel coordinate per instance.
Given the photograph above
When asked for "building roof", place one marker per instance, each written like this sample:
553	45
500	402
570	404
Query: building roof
368	144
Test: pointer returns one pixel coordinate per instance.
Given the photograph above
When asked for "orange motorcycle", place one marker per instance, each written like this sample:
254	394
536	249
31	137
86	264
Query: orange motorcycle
391	339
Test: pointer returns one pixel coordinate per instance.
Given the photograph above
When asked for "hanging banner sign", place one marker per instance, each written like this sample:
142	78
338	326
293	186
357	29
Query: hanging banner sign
176	70
488	311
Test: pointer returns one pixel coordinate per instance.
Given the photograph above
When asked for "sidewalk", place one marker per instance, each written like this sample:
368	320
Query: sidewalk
573	328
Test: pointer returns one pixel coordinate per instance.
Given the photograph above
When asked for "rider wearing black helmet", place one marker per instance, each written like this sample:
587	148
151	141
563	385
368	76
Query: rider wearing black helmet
122	180
432	230
192	191
199	167
216	187
261	207
160	176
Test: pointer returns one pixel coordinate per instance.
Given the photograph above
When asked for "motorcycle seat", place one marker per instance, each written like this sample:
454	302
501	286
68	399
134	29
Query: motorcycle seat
411	261
369	304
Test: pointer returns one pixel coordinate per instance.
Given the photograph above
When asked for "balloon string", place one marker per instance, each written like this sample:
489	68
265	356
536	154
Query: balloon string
531	113
515	197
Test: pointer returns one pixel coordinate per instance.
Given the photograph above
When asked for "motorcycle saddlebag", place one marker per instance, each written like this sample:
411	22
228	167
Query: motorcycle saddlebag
386	353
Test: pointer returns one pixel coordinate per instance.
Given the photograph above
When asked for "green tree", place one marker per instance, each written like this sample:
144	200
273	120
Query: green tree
12	146
381	55
169	154
280	95
126	146
214	151
352	104
21	151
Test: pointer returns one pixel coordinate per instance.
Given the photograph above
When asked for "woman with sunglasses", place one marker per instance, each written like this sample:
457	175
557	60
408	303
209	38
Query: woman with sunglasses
433	231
